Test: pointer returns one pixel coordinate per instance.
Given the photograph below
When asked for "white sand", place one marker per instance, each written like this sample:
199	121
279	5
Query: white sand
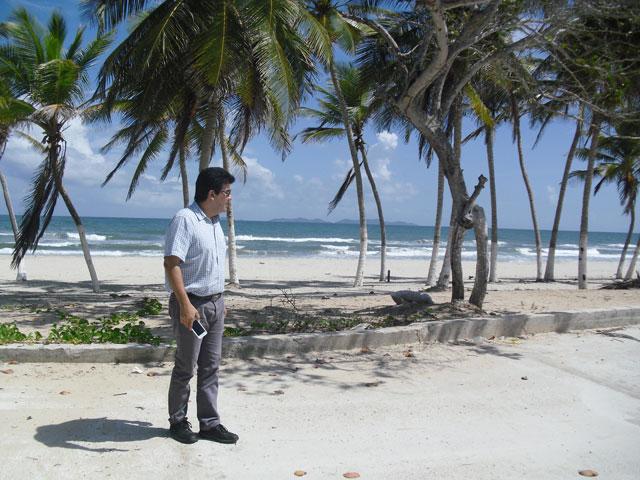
311	286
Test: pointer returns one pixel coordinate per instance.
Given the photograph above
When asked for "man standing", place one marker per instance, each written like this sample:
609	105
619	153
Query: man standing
194	264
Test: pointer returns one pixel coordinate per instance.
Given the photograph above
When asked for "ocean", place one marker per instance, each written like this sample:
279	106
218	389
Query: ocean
118	237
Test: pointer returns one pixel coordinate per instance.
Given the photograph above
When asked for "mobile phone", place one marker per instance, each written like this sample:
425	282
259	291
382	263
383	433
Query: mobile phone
197	329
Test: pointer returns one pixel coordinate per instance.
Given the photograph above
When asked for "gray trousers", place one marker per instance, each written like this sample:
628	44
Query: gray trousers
192	351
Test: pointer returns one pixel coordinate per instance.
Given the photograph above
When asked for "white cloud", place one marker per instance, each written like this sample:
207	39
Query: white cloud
552	195
262	179
298	178
388	140
381	169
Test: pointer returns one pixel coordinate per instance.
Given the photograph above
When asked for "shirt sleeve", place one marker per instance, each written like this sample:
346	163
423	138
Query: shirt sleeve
178	238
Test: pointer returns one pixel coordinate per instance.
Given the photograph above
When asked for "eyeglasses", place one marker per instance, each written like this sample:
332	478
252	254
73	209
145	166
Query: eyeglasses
227	193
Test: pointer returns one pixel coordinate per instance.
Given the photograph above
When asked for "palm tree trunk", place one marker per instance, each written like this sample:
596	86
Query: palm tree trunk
437	229
534	217
231	228
584	220
634	259
445	271
383	231
22	275
632	213
209	135
549	271
183	175
489	136
76	218
356	170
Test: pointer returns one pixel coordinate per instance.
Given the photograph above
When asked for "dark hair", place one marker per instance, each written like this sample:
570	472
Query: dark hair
212	178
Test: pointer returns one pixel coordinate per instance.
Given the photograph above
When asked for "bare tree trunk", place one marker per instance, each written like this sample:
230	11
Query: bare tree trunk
76	218
356	170
482	262
489	136
209	135
231	228
22	275
623	255
534	217
436	230
183	176
584	220
549	271
632	265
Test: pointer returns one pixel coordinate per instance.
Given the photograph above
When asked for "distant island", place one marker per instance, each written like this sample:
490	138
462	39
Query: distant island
344	221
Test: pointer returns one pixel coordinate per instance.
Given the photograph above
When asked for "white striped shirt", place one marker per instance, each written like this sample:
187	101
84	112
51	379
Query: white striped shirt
199	242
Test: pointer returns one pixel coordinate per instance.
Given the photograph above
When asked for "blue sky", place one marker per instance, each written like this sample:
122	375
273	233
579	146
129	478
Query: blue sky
304	184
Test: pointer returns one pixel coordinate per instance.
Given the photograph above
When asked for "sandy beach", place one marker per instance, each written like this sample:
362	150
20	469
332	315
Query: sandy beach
279	289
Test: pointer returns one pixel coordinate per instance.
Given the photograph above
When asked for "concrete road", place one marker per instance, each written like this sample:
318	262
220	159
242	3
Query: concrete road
541	407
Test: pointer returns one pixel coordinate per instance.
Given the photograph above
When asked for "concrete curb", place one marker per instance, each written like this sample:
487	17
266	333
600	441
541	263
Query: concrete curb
272	345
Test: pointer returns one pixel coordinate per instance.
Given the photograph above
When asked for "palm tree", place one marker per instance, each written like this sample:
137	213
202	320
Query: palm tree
345	34
488	101
51	79
254	57
361	106
619	163
12	113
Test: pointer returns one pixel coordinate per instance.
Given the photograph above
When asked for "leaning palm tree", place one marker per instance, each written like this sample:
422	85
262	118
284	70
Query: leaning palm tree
12	112
51	79
361	106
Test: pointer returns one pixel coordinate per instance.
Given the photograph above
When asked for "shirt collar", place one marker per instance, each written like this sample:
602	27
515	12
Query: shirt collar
195	208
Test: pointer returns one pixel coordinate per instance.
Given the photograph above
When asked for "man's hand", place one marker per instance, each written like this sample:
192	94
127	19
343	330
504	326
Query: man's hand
187	314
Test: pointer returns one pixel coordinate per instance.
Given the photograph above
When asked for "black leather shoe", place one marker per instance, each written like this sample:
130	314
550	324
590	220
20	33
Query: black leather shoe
182	432
219	434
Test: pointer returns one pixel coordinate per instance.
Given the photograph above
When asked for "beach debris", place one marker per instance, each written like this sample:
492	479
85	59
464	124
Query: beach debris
408	353
371	384
402	297
478	340
611	333
278	392
8	371
351	475
65	392
29	417
137	370
524	378
588	473
512	340
273	374
242	389
299	473
321	361
325	297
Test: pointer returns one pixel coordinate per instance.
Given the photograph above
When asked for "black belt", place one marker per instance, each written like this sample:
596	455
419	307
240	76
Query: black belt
211	298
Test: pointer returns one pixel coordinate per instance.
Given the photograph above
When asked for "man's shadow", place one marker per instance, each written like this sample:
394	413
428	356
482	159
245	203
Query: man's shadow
96	430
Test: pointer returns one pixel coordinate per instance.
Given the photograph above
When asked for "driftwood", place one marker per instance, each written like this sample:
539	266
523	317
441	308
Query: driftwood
624	285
